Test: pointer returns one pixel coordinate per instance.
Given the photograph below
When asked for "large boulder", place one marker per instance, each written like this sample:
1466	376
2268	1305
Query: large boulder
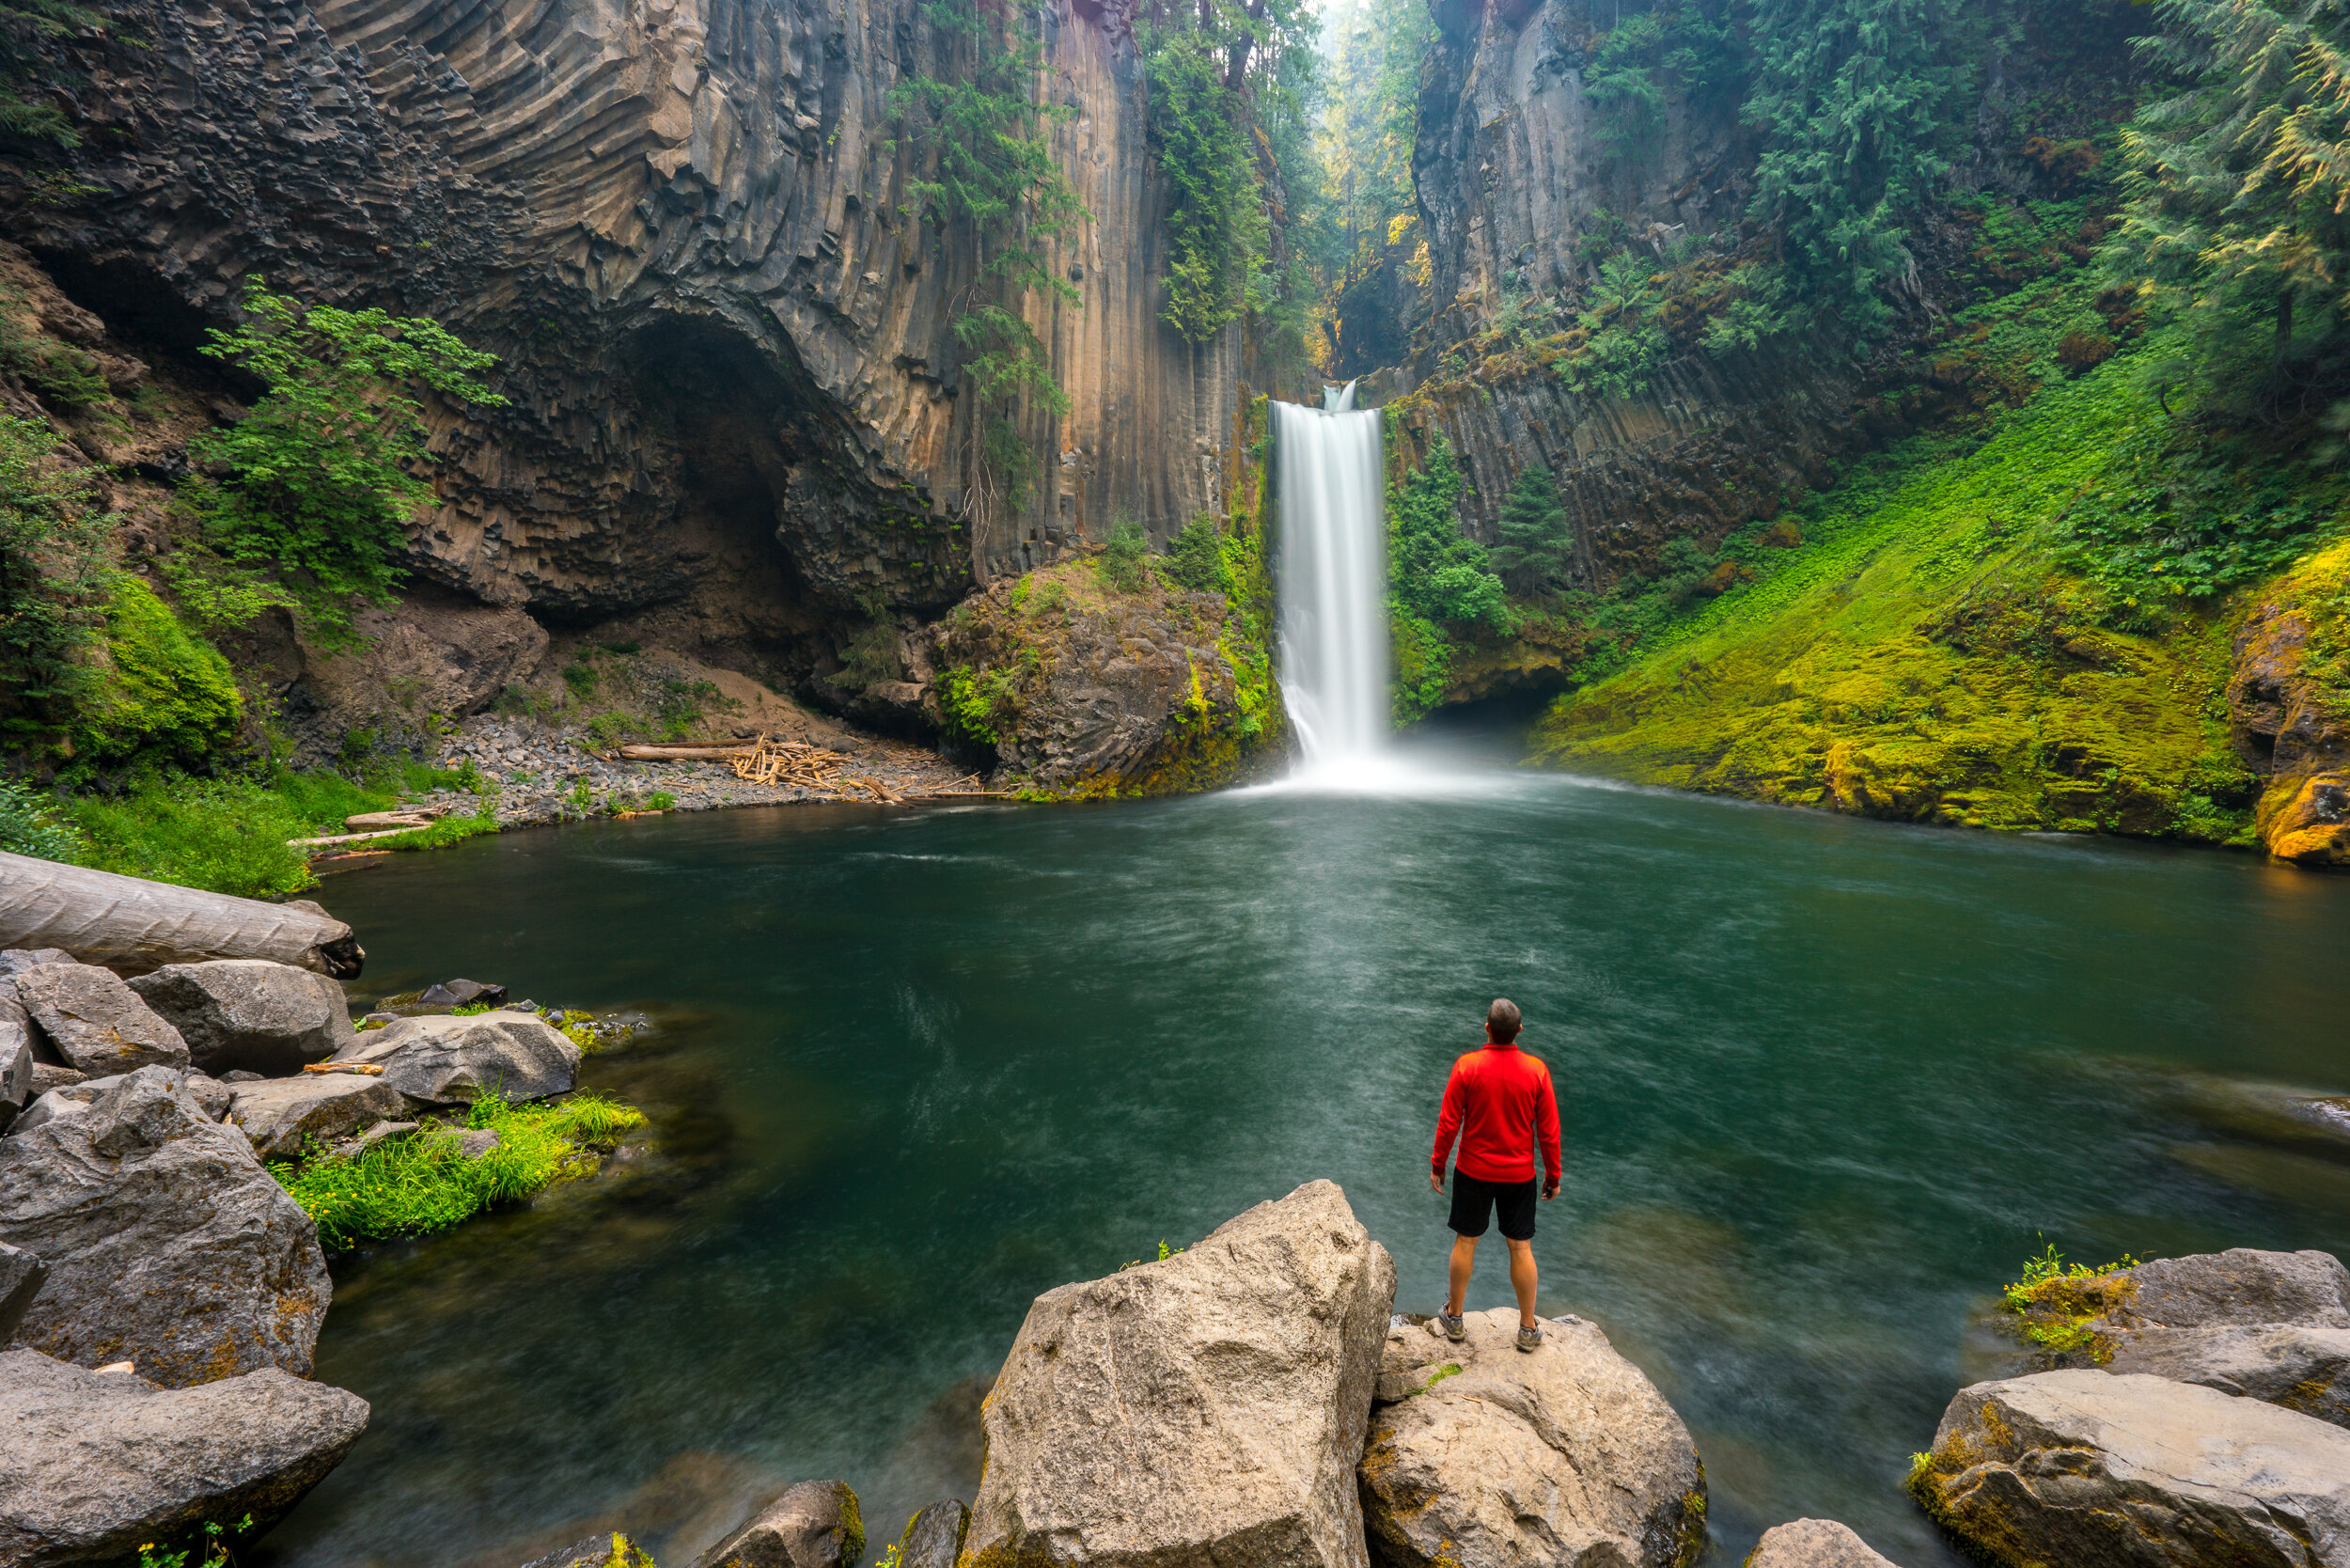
2268	1325
816	1524
248	1014
1491	1457
1204	1409
96	1466
97	1023
283	1116
1813	1544
606	1549
447	1060
933	1537
2094	1469
168	1244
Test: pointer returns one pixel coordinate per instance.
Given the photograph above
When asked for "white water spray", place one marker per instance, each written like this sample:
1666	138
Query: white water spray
1333	584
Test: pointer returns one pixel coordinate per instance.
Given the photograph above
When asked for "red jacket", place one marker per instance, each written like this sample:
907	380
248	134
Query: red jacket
1498	1100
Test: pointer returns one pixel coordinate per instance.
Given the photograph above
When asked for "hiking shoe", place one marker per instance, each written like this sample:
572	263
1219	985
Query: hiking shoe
1454	1328
1529	1339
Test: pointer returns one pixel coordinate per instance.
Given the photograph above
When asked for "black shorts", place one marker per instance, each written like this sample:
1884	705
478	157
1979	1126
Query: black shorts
1474	1201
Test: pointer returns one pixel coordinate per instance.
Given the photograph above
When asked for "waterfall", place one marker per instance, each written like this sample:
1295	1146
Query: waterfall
1332	580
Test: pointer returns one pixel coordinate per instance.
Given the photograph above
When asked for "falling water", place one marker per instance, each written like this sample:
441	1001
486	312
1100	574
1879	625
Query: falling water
1333	570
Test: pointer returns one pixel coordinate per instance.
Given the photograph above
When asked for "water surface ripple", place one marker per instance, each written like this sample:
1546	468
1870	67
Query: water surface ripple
1824	1082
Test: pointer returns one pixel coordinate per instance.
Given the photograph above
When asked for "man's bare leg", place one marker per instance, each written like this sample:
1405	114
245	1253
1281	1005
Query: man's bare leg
1464	1259
1520	1278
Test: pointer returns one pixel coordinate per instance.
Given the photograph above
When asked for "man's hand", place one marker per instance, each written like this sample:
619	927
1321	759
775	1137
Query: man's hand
1435	1180
1550	1189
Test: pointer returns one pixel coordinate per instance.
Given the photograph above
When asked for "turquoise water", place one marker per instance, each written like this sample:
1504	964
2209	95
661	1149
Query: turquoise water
1824	1082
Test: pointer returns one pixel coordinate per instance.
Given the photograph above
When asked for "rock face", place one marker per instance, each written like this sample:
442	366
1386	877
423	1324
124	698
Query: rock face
2302	1369
96	1021
2290	725
449	1061
16	1069
1489	1457
1259	1349
93	1465
814	1525
283	1116
1813	1544
2095	1470
167	1244
247	1014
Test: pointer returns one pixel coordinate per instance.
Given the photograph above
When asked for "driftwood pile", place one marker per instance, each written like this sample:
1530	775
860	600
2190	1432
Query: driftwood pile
793	762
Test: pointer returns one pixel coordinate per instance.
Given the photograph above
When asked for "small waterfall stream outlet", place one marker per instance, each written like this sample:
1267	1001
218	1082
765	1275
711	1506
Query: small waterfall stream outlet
1332	579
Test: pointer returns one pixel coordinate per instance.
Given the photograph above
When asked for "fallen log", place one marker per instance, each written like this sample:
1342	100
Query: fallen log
131	925
356	838
420	816
713	752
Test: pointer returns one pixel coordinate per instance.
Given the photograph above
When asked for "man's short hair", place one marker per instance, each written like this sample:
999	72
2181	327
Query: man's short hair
1502	1020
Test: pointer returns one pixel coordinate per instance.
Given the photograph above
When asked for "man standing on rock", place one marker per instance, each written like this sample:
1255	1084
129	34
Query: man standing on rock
1497	1103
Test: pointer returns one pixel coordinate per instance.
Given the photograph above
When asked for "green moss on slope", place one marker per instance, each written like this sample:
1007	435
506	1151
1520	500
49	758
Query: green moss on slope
1924	655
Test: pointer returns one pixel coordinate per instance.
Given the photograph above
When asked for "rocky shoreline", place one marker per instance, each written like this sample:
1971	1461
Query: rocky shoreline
1252	1399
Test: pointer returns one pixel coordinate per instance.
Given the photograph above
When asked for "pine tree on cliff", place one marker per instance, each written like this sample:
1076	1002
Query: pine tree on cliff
1532	554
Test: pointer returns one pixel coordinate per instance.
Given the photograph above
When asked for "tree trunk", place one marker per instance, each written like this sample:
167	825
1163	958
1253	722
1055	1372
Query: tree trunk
131	925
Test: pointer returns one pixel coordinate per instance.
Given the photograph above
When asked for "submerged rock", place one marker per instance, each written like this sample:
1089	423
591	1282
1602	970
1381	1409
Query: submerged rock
2091	1469
95	1465
1490	1457
1813	1544
604	1550
97	1023
166	1241
283	1116
1205	1409
816	1524
449	1061
249	1014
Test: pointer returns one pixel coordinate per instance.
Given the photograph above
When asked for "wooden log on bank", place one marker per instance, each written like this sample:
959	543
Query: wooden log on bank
131	925
712	753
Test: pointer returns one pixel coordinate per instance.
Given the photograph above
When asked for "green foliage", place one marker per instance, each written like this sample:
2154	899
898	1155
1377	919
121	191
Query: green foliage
415	1185
972	705
165	692
2056	1306
213	1541
1691	44
24	25
1125	560
1217	227
1196	559
29	825
1421	661
2238	186
321	482
54	577
1531	556
1432	573
1858	99
65	377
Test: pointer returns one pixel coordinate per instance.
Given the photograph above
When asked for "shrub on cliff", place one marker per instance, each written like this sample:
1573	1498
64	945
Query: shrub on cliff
164	690
55	574
321	479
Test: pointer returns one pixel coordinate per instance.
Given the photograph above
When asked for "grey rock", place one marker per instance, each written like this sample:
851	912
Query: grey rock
96	1021
20	1276
462	993
239	1075
2300	1368
1259	1348
2241	1286
1813	1544
470	1142
1564	1454
94	1466
72	1100
168	1244
605	1549
209	1092
934	1538
816	1524
2092	1469
16	1071
48	1076
17	960
449	1061
351	1148
250	1014
284	1116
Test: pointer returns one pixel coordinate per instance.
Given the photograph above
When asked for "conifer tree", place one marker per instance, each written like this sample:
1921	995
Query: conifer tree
1532	554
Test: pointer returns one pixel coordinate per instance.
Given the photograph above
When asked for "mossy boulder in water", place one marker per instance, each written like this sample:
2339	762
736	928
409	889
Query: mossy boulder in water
2091	1469
816	1524
1813	1544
